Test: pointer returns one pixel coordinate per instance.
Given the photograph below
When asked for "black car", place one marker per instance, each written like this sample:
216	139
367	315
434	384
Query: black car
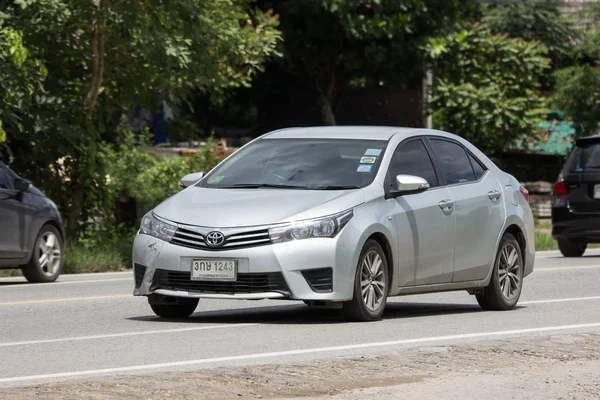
31	230
576	208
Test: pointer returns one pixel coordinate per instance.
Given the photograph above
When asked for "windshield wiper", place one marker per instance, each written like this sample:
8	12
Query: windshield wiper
262	185
337	187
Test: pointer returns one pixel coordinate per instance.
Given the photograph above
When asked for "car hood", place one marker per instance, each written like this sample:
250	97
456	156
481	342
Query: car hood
226	208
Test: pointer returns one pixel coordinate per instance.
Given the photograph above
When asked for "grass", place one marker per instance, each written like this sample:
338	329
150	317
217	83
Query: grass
114	255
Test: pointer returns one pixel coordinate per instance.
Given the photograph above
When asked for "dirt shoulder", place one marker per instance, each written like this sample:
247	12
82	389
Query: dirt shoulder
558	367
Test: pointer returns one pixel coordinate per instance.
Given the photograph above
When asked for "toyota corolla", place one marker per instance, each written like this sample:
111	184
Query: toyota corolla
340	217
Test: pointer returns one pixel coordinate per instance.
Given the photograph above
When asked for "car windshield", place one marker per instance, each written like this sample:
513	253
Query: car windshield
584	157
320	164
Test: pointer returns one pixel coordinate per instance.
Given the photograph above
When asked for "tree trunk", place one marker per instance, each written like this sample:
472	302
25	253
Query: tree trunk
75	198
327	113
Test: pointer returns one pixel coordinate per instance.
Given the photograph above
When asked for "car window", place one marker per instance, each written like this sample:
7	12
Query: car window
478	168
6	181
583	157
318	164
454	161
412	158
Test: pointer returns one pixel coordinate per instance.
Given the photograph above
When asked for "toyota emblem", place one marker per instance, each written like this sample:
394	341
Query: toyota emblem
215	239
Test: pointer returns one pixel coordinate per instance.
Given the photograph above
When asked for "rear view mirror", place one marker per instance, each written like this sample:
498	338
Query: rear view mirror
190	179
22	185
409	184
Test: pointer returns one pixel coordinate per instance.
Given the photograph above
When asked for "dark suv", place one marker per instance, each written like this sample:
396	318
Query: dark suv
31	231
576	208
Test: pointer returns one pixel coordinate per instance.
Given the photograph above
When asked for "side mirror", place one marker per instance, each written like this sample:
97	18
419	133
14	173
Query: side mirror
190	179
22	185
409	184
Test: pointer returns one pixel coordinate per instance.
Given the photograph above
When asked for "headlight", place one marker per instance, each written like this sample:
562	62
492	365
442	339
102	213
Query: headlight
313	228
157	228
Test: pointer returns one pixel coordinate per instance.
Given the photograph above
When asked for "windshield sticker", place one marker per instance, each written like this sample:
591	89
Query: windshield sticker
373	152
364	168
579	169
368	160
216	179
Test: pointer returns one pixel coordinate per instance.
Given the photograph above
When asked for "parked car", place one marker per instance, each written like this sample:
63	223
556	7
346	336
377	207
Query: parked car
339	217
31	231
576	206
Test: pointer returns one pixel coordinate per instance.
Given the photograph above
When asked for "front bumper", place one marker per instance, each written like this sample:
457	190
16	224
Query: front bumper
268	265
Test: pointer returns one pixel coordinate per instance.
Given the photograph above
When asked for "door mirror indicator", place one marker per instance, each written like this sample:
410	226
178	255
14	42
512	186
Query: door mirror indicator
190	179
409	184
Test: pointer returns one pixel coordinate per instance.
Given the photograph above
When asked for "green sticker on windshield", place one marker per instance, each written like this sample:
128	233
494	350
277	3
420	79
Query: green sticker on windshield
368	160
216	179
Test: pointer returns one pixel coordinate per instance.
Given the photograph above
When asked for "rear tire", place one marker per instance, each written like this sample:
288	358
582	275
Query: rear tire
172	307
572	247
505	286
47	257
370	285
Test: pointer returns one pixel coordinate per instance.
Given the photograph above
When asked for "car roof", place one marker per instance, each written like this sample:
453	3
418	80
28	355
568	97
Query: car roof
588	140
338	132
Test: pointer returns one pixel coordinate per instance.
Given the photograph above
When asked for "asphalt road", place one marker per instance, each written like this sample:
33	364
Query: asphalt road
87	326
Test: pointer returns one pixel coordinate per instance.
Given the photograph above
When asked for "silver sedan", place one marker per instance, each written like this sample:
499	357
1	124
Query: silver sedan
340	217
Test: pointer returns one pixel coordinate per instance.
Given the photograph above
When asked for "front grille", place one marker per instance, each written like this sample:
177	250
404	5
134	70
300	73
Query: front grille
196	240
245	283
319	280
139	271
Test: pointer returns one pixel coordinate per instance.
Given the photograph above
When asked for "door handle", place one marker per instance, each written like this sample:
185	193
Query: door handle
494	195
446	205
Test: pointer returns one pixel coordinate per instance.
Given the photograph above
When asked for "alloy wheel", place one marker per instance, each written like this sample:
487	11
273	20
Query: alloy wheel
48	253
509	275
372	281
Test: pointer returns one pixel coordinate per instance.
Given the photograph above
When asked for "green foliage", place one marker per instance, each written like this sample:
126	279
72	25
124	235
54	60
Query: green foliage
487	86
102	58
149	179
577	94
332	45
578	87
20	80
98	249
536	21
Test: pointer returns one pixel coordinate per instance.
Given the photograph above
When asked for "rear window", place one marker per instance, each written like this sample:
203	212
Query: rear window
582	158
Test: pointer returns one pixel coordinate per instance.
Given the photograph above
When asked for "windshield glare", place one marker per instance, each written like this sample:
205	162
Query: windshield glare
587	156
300	164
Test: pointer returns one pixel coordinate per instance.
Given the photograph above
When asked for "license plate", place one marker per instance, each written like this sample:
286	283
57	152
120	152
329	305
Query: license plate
597	191
214	270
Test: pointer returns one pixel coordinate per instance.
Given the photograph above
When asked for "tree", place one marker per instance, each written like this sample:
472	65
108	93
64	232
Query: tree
487	86
535	20
21	77
105	56
578	87
331	46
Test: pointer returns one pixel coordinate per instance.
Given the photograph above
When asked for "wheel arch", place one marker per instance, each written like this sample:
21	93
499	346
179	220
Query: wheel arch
517	232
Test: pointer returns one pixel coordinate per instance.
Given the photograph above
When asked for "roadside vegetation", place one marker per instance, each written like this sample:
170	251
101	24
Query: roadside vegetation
73	71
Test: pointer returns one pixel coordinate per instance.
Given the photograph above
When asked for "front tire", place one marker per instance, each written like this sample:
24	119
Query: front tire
172	307
505	286
370	285
47	257
571	247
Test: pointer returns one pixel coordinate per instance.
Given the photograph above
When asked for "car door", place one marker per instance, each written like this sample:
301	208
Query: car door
424	222
478	208
11	227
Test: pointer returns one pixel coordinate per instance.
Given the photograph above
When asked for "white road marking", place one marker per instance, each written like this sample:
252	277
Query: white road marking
559	300
114	335
294	352
17	286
